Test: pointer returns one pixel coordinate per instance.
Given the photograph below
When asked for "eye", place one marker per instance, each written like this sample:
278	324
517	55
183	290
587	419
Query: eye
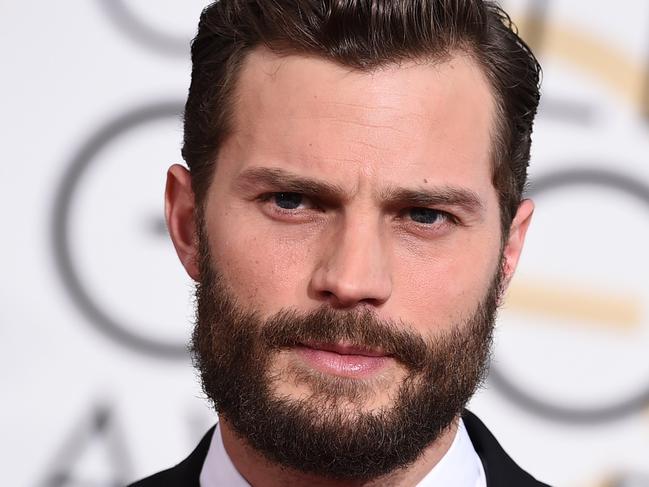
287	201
427	216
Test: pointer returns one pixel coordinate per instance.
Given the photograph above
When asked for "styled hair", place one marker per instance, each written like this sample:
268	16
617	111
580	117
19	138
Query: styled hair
364	35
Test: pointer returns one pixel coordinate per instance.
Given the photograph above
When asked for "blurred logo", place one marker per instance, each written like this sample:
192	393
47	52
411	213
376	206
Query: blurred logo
164	27
110	239
575	333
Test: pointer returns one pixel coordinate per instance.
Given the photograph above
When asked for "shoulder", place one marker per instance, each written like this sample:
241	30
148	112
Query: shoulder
500	469
186	473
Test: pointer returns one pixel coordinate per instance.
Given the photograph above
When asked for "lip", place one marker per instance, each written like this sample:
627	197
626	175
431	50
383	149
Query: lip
346	349
343	359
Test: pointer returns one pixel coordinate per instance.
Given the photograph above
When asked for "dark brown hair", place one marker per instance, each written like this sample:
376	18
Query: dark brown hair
364	34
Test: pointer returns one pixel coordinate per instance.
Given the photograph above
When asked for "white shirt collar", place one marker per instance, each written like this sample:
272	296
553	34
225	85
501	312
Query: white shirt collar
218	470
459	467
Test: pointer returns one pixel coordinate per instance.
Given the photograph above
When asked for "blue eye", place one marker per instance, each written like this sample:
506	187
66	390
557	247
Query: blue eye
425	216
288	201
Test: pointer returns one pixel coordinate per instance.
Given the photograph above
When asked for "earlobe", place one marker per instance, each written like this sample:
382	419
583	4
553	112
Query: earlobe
514	245
179	214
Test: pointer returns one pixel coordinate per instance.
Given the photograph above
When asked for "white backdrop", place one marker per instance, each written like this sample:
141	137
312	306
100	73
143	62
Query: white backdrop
95	310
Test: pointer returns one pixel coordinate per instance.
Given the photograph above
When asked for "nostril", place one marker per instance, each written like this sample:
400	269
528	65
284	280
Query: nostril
328	296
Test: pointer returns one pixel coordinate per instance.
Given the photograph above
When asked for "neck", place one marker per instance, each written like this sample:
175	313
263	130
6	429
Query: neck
260	472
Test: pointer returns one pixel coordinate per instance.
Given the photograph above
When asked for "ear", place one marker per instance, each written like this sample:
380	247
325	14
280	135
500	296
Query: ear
179	214
516	239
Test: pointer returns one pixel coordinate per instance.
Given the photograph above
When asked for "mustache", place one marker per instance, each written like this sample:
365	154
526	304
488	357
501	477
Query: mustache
360	328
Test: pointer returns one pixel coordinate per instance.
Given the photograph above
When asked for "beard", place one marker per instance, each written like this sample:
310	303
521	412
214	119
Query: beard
328	432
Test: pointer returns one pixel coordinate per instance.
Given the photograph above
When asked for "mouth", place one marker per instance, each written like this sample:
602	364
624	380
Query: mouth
346	349
344	360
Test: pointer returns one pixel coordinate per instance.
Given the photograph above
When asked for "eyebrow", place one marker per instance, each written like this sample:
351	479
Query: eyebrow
463	198
283	180
290	183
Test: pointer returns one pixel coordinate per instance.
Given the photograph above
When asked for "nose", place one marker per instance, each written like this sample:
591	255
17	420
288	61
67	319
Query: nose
354	268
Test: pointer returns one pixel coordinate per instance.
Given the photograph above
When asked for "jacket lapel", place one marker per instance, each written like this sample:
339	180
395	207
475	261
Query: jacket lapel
500	469
186	473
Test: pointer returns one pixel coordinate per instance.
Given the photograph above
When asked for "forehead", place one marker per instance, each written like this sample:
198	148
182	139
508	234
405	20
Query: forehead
400	123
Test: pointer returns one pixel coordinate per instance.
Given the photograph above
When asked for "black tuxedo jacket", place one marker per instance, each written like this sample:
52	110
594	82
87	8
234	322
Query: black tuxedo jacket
500	469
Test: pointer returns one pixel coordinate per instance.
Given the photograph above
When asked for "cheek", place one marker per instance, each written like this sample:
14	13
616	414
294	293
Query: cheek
264	267
445	286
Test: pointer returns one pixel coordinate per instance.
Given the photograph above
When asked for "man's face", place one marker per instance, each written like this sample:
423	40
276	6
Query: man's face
351	248
383	143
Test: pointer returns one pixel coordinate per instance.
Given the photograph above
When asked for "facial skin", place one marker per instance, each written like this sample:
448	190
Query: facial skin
386	208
